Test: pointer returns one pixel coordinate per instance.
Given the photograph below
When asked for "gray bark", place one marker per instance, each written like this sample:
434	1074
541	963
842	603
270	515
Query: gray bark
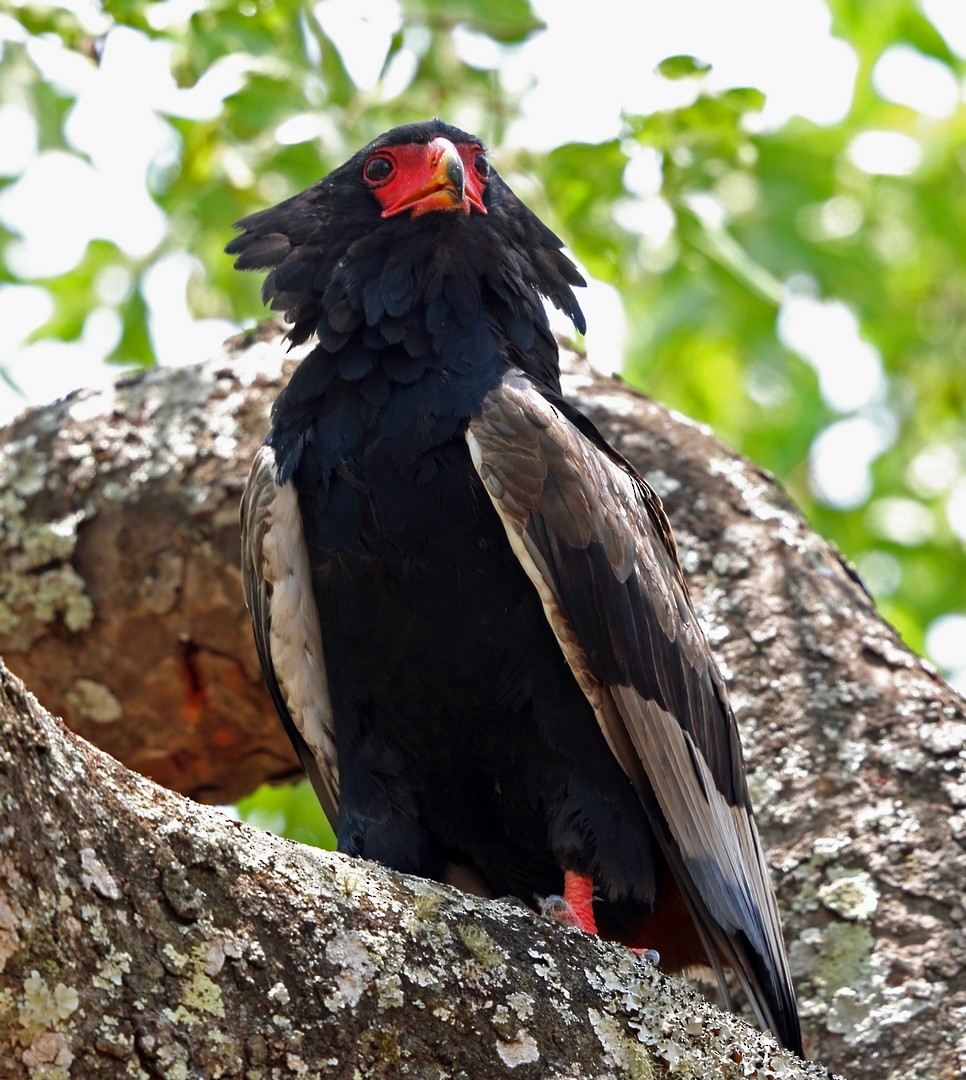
120	605
145	935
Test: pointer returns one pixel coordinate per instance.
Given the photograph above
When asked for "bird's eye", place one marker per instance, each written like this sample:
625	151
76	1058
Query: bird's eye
378	169
481	165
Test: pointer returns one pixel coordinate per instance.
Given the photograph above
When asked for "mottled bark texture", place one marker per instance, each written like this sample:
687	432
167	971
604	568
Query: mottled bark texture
120	605
145	935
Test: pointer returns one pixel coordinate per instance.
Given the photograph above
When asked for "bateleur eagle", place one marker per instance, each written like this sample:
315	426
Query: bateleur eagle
468	606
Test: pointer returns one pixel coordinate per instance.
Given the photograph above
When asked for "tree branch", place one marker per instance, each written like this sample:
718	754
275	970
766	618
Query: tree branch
145	935
120	604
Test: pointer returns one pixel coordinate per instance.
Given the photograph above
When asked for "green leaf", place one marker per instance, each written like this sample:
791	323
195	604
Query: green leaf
682	67
508	21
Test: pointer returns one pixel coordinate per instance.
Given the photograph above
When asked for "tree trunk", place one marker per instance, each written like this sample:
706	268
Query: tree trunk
120	605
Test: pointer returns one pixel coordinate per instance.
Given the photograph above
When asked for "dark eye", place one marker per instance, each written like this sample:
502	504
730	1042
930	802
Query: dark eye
378	169
481	165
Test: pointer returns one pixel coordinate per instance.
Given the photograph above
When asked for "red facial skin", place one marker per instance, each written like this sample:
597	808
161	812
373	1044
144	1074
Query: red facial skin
421	177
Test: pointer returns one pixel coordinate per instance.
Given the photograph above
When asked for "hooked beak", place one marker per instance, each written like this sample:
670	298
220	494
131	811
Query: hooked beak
438	184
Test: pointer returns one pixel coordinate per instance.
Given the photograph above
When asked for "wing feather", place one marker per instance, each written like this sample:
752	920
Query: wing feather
596	544
278	590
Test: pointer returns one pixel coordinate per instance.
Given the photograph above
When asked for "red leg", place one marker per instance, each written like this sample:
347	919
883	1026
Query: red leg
576	908
579	897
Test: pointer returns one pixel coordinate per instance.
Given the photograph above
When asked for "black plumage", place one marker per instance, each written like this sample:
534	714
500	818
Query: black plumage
468	606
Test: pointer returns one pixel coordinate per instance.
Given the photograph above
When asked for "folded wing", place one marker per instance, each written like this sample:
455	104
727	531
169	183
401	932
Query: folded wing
278	591
595	542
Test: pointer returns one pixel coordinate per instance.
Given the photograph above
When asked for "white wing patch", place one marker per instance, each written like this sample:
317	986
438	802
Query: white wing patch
280	597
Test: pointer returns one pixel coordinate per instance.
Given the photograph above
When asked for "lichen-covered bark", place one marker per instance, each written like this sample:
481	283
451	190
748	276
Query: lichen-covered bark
120	605
143	935
120	593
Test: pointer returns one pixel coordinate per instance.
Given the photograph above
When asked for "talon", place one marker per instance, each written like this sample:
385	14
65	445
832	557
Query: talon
652	956
556	907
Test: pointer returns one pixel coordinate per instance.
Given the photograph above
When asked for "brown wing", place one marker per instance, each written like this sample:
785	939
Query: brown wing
596	544
278	591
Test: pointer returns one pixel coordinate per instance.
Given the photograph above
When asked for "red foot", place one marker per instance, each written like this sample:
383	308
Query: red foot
576	908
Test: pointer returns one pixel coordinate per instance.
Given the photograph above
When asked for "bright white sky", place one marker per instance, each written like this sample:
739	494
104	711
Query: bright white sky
576	80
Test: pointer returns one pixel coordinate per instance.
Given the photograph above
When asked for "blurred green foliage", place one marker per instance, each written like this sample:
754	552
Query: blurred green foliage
291	811
748	215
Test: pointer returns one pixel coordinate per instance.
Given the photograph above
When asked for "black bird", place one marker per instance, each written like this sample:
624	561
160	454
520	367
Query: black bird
468	606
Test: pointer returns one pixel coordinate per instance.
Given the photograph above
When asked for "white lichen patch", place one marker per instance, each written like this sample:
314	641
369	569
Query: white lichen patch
111	970
946	737
94	701
200	995
758	496
49	540
850	893
621	1050
662	484
42	1008
677	1031
860	1013
296	1065
55	593
546	968
795	763
522	1004
96	876
36	577
852	753
389	991
522	1050
91	916
349	952
855	989
907	759
827	848
423	977
616	404
175	962
891	819
836	956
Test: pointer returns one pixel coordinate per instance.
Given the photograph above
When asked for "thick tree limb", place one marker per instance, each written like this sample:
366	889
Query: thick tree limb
144	935
120	605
